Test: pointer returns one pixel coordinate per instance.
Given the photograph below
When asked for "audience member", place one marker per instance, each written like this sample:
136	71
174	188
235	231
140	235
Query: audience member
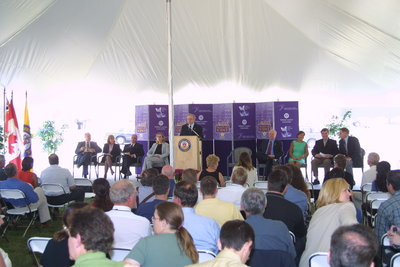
354	245
131	154
292	194
235	242
91	238
189	175
245	162
370	174
350	147
269	234
382	170
171	245
169	171
334	209
26	175
129	228
281	209
34	197
191	128
389	211
211	171
54	174
3	175
86	152
111	152
145	190
204	230
233	192
158	154
323	152
4	259
298	151
270	152
56	252
161	191
339	170
214	208
298	181
101	189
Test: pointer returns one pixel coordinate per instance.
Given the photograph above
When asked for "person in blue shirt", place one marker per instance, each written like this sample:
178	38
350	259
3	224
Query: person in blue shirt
34	197
204	231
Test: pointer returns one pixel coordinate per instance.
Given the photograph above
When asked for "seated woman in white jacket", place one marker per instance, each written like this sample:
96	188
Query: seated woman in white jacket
158	154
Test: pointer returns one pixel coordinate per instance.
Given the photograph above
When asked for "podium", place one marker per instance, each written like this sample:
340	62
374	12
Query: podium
187	152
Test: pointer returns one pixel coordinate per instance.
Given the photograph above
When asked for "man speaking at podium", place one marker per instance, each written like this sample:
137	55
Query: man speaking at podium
191	128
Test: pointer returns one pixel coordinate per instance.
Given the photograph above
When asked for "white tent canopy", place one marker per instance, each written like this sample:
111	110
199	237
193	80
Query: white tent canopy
114	53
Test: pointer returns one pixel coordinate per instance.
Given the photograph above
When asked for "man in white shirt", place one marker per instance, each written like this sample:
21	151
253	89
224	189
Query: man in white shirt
233	193
370	175
129	228
54	174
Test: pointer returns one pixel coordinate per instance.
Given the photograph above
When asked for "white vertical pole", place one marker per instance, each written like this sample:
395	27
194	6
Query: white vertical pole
170	86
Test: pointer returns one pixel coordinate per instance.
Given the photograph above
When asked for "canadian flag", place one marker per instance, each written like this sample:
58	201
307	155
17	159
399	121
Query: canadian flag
13	136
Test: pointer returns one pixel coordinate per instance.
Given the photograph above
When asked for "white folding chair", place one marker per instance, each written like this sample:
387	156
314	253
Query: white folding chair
54	190
263	185
373	200
37	245
18	212
87	183
119	254
318	259
205	255
395	260
292	236
385	247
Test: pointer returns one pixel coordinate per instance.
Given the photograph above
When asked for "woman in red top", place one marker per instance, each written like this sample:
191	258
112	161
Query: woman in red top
26	175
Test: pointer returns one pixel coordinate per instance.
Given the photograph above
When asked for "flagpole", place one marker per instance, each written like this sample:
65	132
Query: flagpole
4	120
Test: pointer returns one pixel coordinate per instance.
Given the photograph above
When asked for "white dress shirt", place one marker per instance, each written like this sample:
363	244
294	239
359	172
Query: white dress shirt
369	175
232	193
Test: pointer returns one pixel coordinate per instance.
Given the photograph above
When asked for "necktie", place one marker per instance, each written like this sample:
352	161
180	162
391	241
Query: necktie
269	149
325	142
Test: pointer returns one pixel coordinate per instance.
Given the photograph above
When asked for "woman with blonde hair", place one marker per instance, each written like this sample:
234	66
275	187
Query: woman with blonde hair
334	209
245	162
212	165
171	245
157	156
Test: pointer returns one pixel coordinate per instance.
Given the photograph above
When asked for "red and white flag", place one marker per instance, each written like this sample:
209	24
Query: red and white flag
13	136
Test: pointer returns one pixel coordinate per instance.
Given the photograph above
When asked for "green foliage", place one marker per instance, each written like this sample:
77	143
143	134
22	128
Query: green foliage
51	137
337	123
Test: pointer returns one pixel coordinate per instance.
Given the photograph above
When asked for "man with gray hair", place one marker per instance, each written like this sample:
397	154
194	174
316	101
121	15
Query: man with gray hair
370	175
270	234
3	175
129	228
233	192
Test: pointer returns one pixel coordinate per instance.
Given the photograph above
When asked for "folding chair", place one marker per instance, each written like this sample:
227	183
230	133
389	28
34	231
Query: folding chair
205	255
263	185
117	165
119	254
370	211
93	163
54	190
138	164
304	165
37	245
395	260
233	157
18	211
292	236
86	183
318	259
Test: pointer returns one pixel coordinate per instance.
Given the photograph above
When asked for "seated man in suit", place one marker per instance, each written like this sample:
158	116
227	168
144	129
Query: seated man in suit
86	151
131	153
350	147
323	152
192	128
271	150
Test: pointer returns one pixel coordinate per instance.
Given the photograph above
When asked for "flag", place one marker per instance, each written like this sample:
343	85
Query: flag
27	131
13	136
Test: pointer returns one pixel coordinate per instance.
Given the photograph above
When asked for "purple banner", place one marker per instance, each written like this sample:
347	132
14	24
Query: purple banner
204	117
141	122
180	117
286	119
264	119
158	120
222	118
244	121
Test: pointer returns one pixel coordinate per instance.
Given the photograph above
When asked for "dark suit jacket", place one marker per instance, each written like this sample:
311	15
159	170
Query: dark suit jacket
92	145
115	152
330	147
185	130
137	149
278	149
353	150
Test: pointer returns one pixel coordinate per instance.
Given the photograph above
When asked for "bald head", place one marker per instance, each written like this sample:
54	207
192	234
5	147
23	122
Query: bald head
168	171
123	193
373	159
272	134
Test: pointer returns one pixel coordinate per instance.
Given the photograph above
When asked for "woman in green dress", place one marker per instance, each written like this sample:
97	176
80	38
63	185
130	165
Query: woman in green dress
298	150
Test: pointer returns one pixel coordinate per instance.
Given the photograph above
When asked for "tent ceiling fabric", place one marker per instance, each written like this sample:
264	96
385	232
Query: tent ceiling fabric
257	44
